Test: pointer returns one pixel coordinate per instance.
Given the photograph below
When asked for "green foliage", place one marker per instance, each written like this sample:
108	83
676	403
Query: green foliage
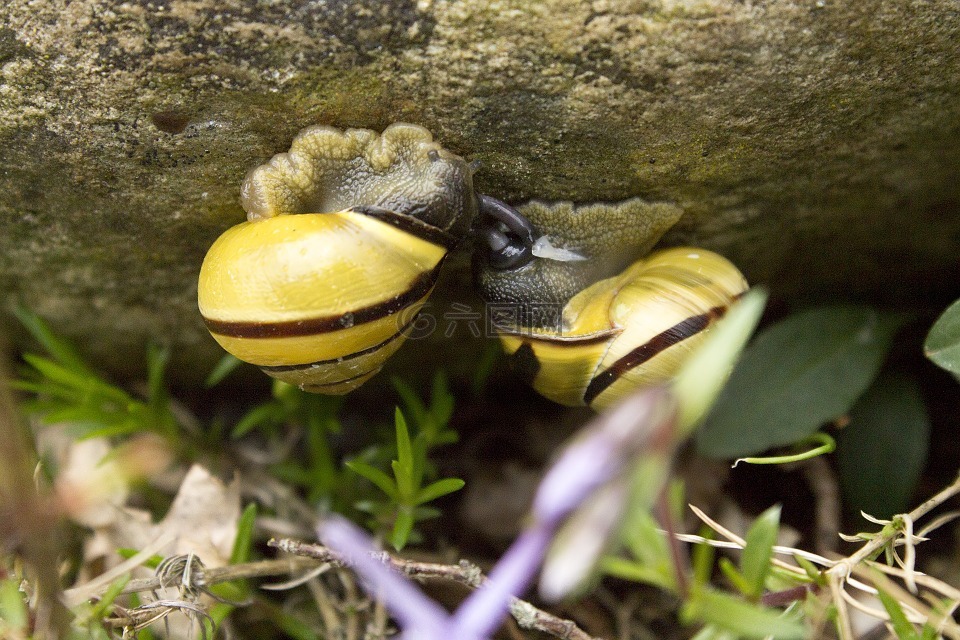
227	365
755	559
314	467
739	615
290	405
943	341
881	452
89	616
898	619
14	616
724	615
741	619
243	543
704	374
413	480
650	560
406	493
151	563
820	443
797	375
67	390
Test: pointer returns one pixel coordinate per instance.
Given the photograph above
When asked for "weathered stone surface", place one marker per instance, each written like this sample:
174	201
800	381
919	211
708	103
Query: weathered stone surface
815	143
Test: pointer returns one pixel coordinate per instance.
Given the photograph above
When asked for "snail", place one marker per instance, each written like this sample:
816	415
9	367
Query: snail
344	239
578	334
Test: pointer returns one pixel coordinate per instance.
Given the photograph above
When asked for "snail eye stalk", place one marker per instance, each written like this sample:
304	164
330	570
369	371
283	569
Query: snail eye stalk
509	236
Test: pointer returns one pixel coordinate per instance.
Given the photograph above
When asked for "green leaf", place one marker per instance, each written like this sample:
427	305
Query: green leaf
157	360
404	447
943	342
60	374
402	527
13	609
742	618
882	451
652	562
797	375
374	475
412	403
928	633
733	575
60	349
405	484
438	489
898	619
105	604
441	400
646	543
704	374
755	559
636	572
425	513
405	464
151	563
813	571
243	543
702	558
227	365
824	444
712	633
266	413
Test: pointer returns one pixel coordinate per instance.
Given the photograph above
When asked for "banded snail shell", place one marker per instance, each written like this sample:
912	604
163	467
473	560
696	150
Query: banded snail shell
319	298
629	331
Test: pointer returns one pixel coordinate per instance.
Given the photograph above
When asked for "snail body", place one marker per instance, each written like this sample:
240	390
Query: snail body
319	298
598	341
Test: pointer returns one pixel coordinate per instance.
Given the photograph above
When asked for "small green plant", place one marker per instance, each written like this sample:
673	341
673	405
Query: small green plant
737	614
67	390
414	480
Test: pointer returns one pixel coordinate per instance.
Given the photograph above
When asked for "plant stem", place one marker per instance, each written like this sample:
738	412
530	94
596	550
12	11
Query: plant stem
465	573
888	533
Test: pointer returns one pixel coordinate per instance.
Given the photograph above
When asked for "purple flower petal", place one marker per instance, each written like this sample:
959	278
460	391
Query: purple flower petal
481	613
607	448
419	616
582	540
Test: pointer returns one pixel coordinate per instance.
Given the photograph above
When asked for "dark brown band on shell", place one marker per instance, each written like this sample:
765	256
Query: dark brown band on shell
332	361
335	383
679	332
407	223
419	288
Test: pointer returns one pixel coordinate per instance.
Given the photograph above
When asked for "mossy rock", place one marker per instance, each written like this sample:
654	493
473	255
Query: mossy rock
816	144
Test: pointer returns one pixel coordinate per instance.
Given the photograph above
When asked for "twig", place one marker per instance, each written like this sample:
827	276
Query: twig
351	598
844	625
822	481
98	585
840	573
328	613
211	575
888	533
465	573
916	611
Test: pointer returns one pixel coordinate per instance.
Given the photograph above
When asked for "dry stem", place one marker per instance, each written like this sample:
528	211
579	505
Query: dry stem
465	573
